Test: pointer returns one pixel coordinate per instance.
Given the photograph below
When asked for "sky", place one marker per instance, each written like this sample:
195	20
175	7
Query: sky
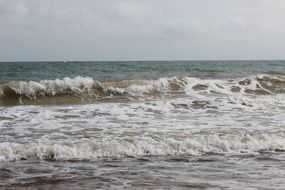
73	30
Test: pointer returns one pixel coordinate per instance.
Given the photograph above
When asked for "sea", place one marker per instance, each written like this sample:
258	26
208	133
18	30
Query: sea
210	125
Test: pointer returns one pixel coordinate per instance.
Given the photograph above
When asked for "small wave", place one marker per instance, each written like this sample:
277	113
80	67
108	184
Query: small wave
85	89
142	146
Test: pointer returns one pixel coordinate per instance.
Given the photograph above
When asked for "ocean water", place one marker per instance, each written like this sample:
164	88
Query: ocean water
142	125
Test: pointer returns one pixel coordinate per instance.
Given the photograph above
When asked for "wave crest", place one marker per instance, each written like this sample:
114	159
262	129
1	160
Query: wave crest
84	89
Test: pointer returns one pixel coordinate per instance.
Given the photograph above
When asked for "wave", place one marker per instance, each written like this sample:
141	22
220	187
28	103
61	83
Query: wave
85	89
143	146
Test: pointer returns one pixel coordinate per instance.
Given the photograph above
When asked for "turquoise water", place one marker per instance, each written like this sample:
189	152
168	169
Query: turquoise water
129	70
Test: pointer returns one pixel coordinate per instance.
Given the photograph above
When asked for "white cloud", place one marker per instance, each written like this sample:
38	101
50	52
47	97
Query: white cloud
131	9
183	28
184	24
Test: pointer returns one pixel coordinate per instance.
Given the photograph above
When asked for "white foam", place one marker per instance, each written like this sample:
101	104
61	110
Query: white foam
139	146
52	87
141	88
237	122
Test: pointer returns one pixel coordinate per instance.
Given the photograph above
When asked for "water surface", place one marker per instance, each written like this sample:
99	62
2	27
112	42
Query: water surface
142	125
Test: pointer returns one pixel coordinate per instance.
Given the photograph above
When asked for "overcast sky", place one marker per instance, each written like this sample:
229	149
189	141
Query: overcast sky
141	29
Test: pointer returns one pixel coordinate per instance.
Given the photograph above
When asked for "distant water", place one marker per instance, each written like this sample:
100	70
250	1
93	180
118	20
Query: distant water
35	71
142	125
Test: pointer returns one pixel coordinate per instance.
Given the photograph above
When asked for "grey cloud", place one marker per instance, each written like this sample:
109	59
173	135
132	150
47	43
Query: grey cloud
13	8
134	29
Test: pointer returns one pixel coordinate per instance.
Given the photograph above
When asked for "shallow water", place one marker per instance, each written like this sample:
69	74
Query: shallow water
178	132
211	171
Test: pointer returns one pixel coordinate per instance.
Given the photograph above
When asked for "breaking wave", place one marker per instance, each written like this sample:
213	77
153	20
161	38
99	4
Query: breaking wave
142	146
85	89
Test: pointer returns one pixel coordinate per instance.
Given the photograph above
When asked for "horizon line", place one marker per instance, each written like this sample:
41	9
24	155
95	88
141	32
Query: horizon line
151	60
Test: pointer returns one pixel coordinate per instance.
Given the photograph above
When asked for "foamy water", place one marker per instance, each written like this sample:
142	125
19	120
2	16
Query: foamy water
178	132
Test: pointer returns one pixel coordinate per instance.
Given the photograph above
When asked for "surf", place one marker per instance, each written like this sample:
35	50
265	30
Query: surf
87	90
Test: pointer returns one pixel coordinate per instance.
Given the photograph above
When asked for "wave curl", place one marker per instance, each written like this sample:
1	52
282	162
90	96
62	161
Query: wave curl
85	89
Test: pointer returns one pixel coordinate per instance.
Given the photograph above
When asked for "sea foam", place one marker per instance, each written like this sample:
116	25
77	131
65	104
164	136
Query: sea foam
87	89
141	146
